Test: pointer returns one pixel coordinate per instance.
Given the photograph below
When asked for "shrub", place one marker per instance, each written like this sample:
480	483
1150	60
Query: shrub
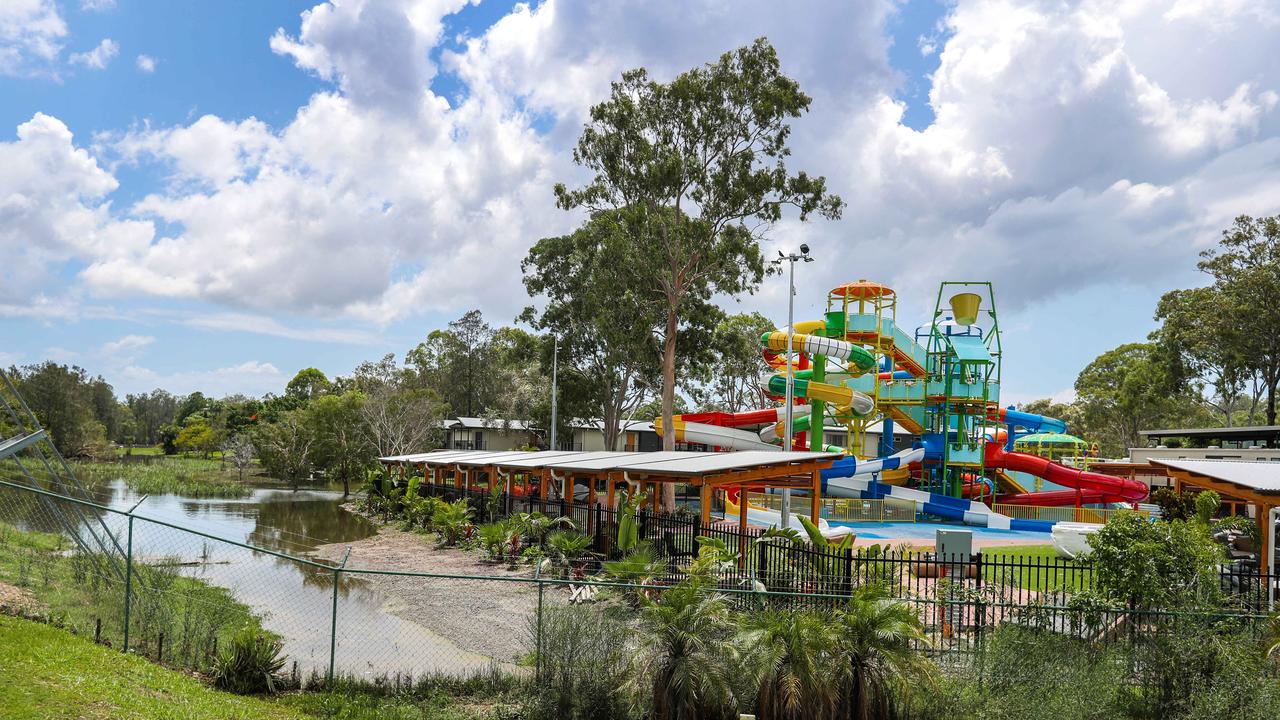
582	665
251	665
1155	565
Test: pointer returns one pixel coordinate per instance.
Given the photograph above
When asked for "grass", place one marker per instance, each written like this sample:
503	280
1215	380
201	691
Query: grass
187	476
79	590
1045	573
51	674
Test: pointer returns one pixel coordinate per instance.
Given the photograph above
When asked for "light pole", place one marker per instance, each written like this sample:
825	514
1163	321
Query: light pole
555	361
788	412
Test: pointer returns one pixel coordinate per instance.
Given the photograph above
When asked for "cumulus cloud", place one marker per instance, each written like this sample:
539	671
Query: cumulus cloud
31	37
1073	143
98	57
146	64
128	345
53	211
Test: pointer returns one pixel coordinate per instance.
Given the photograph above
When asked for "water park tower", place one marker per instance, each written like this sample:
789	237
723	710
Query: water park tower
962	391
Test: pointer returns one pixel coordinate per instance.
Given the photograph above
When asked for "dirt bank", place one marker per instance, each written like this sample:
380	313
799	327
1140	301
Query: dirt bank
489	617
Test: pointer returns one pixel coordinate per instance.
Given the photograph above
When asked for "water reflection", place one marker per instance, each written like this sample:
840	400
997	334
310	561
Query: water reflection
294	598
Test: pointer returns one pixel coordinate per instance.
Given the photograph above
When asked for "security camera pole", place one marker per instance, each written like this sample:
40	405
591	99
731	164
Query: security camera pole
790	401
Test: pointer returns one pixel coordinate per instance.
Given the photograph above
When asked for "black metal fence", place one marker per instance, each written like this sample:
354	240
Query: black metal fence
777	564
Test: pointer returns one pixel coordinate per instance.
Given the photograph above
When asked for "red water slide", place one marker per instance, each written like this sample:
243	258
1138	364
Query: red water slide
1087	487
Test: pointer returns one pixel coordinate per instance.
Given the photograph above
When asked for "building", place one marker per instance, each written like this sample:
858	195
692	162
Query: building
1254	443
477	433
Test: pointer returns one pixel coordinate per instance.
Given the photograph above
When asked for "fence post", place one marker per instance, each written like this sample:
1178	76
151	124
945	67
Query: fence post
848	571
537	668
128	575
333	618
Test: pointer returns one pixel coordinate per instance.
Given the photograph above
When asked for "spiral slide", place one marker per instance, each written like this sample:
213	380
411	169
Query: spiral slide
1088	487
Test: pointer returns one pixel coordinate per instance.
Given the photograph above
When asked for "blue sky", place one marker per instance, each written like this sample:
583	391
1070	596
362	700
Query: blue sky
281	190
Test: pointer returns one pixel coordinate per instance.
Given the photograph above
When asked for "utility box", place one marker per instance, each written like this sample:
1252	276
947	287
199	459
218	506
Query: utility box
955	546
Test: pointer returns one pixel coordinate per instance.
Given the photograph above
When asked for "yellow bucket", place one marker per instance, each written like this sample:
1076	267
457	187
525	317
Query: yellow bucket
964	307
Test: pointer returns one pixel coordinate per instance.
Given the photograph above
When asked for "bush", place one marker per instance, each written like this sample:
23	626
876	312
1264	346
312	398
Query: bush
583	665
1155	565
1035	674
251	665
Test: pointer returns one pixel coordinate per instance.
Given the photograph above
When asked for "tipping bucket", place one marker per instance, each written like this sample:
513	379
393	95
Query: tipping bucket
964	308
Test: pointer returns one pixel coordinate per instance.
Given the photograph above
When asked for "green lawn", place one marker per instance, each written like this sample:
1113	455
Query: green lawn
48	673
1041	569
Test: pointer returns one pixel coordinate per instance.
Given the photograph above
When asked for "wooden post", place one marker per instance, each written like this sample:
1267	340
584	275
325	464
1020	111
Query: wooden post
657	496
542	491
611	485
1264	510
591	504
815	498
493	476
567	490
704	493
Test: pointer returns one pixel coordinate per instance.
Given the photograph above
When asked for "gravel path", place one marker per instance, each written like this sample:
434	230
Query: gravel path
482	616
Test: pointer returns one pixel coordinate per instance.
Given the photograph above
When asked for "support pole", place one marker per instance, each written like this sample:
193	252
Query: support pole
815	497
128	574
704	499
742	525
333	618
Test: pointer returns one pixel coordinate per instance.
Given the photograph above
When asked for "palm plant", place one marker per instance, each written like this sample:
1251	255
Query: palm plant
879	663
420	512
493	538
639	569
1273	636
535	526
685	663
452	520
794	662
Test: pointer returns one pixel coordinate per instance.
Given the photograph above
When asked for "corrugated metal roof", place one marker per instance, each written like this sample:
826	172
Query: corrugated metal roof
664	463
1263	477
479	423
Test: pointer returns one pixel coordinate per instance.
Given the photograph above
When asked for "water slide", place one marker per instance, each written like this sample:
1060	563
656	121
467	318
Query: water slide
730	438
1087	487
765	517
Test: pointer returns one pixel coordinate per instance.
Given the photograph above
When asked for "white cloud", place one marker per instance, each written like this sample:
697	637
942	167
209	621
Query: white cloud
262	325
60	354
126	347
97	58
251	377
97	5
31	36
146	64
53	211
1074	145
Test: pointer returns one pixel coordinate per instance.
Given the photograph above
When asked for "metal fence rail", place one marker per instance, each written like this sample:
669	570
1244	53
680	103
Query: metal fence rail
185	592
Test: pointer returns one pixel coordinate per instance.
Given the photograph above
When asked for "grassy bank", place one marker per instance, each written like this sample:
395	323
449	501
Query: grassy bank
80	591
49	673
188	476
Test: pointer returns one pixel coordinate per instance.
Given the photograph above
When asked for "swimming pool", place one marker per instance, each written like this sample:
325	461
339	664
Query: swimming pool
928	531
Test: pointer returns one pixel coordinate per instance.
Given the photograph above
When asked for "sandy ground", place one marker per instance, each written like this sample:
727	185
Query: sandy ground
15	600
482	616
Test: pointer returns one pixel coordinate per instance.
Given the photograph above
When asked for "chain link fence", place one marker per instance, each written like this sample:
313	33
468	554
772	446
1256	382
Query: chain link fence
176	594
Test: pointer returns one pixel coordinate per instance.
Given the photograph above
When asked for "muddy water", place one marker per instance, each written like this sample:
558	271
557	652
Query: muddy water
296	600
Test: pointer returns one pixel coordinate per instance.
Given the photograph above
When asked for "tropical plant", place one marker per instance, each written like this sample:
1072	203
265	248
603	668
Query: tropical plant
715	558
251	664
420	512
1207	504
567	545
452	521
493	539
685	662
628	524
535	526
793	659
877	640
1161	564
640	568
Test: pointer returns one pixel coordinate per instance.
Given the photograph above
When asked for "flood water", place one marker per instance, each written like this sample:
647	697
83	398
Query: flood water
294	599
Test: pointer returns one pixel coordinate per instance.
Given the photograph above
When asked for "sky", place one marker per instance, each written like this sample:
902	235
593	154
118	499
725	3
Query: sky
211	196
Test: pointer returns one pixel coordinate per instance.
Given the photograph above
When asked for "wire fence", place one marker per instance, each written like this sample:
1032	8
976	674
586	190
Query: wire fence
179	594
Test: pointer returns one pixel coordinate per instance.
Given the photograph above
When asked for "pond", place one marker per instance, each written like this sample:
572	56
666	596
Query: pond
295	600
